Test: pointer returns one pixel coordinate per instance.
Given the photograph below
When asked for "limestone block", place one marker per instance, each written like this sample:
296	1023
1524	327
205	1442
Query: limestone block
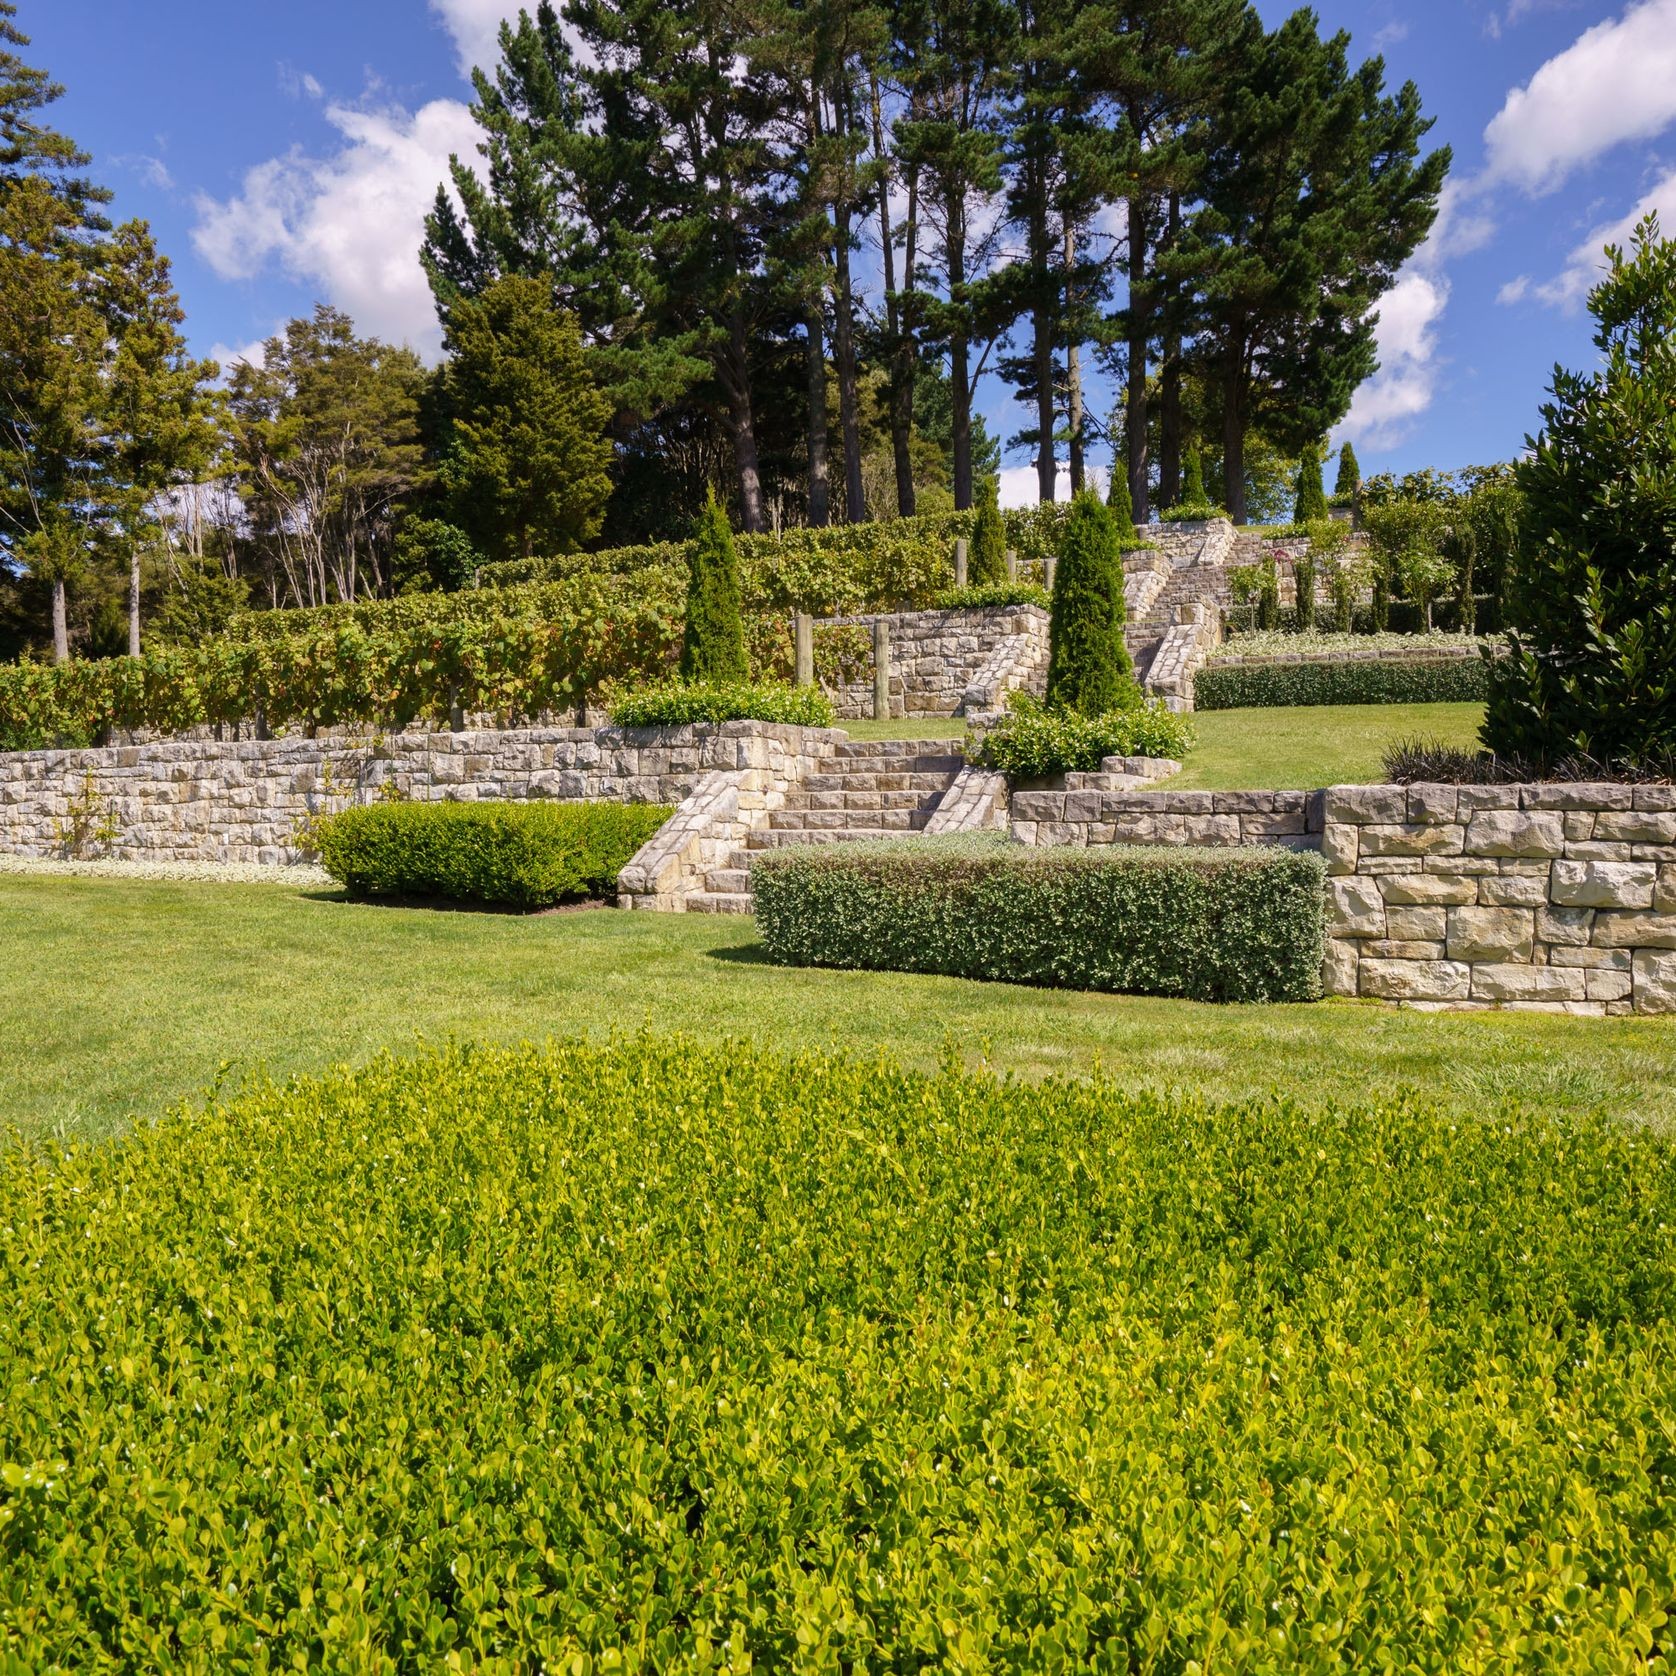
1513	891
1400	948
1379	839
1355	908
1340	846
1361	805
1655	982
1591	959
1465	866
1579	825
1660	800
1375	866
1635	931
1565	926
1640	828
1263	829
1664	898
1415	980
1594	851
1590	797
1213	829
1433	805
1428	889
1491	933
1493	982
1475	799
1339	966
1504	832
1603	884
1423	924
1607	986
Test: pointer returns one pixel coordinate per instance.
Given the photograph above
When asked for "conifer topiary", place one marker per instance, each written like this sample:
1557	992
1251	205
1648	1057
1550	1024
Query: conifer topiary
1193	478
1311	507
1349	478
989	540
1089	670
713	647
1120	505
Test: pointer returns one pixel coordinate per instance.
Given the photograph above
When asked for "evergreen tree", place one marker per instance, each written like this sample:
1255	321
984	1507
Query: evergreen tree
1089	669
989	540
1349	478
1592	657
28	148
1193	479
1311	504
713	647
1117	502
527	460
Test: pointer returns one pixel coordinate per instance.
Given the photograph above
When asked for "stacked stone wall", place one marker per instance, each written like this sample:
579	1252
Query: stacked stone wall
944	663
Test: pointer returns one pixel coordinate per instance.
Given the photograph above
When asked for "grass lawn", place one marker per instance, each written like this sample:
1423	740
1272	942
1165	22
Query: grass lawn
123	997
1297	748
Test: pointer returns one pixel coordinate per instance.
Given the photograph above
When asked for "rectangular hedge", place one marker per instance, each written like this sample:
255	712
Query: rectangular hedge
1207	924
1370	681
517	855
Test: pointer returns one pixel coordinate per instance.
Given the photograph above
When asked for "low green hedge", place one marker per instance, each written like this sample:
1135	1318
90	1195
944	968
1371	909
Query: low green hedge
988	595
1374	681
519	855
1034	743
682	703
657	1356
1212	925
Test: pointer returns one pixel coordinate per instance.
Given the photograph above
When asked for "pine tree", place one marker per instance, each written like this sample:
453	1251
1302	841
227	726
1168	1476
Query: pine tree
1591	668
989	540
1117	502
1311	505
1349	478
1089	669
27	146
527	463
713	647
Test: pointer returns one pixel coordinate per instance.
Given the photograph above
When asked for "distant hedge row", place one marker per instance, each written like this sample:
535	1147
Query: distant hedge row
1223	686
658	1356
1212	925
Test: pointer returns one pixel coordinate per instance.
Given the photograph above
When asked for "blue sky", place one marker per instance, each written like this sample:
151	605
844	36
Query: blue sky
287	153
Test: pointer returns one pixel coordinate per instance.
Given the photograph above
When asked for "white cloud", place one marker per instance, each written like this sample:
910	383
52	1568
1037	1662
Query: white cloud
1615	82
1018	483
299	84
475	26
1514	291
1386	406
1390	35
227	356
350	223
1572	284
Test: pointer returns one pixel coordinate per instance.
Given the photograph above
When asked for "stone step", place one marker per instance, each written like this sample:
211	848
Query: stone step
840	821
853	750
712	902
777	837
921	761
729	881
927	781
868	798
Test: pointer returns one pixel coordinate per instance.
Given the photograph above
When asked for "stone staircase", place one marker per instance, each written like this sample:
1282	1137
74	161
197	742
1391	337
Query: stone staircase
873	788
1191	585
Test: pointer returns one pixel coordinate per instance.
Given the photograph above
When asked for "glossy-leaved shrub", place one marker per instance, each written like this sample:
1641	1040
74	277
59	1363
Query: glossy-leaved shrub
657	1355
515	855
1232	686
1211	925
682	703
1032	742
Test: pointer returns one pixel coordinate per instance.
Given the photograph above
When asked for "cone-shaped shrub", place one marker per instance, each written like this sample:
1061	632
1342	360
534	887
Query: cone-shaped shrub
1311	507
1088	666
989	540
1349	478
1193	479
1119	504
713	648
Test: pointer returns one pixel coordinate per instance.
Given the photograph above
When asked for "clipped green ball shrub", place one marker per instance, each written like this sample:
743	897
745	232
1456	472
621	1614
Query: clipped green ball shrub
659	1356
1211	925
683	703
1225	686
517	855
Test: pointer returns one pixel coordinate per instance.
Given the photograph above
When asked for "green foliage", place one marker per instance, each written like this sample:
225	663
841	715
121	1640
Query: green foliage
1193	477
1211	925
680	703
987	562
1349	478
1311	504
1089	669
1268	593
1592	664
434	554
1033	742
517	855
1330	681
530	1356
991	595
713	642
1303	572
1121	505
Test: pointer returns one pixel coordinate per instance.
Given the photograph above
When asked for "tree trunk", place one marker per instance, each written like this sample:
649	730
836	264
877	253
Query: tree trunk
1233	436
742	426
901	413
855	497
134	603
60	622
819	498
954	240
1073	365
1135	417
1041	348
1169	393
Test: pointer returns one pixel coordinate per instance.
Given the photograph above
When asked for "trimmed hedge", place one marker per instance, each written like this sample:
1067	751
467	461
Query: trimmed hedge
518	855
1374	681
658	1356
1211	925
681	703
985	595
1033	743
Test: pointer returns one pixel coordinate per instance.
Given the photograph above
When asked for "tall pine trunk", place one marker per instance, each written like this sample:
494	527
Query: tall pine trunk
742	428
900	394
819	495
960	390
1073	365
134	603
1138	336
1169	391
1233	430
60	622
1043	323
855	498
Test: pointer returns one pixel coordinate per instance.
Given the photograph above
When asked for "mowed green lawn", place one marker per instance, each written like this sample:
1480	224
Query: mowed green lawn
121	998
1299	747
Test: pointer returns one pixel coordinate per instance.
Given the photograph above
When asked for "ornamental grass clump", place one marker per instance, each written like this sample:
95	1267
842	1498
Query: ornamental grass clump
654	1356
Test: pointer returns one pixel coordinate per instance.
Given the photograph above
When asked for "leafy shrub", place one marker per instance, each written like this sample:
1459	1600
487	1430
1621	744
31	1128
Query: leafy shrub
1213	925
432	553
713	643
991	595
681	703
1303	573
654	1355
1034	742
1089	669
522	855
1232	686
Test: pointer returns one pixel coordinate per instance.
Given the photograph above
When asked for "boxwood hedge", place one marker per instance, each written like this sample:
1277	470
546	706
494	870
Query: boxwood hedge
520	855
1372	681
654	1357
1212	924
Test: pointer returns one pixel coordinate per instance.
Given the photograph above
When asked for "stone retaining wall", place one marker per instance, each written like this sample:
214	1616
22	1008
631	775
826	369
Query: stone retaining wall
943	663
243	802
